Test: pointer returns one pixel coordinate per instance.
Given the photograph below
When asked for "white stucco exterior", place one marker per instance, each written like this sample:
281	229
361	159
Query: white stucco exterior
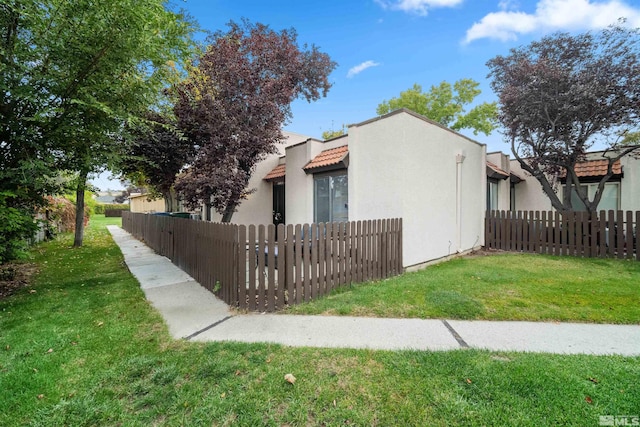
529	193
257	208
402	165
140	203
630	183
299	184
501	160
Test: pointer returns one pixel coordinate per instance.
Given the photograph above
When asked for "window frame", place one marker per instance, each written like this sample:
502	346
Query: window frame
492	182
330	176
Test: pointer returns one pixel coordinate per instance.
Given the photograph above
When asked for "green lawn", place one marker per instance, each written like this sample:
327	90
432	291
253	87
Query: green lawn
499	287
82	347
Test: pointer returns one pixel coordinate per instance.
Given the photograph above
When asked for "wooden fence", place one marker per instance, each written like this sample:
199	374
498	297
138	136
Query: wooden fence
608	234
248	268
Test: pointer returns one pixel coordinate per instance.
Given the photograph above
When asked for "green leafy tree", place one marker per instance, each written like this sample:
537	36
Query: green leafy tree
561	95
446	104
72	74
16	226
329	134
155	154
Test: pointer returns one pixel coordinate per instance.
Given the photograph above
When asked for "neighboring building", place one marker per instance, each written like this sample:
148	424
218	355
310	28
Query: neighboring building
141	203
107	197
400	165
622	190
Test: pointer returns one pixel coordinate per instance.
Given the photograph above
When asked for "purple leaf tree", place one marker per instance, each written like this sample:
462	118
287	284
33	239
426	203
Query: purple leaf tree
561	95
234	103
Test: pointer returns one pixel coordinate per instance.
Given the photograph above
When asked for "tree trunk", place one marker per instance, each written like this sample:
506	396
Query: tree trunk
228	212
82	185
169	201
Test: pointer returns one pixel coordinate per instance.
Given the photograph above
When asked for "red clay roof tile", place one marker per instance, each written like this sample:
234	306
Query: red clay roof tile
597	168
276	173
496	169
329	157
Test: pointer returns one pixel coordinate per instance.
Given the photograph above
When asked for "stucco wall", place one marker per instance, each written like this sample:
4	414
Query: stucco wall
257	208
529	193
630	188
504	185
402	166
299	184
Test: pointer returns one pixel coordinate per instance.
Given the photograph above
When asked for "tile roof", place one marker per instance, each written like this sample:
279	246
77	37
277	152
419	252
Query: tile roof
276	173
596	168
495	172
329	157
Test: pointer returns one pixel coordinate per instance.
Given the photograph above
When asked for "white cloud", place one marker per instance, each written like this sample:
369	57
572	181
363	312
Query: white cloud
507	4
552	15
417	6
361	67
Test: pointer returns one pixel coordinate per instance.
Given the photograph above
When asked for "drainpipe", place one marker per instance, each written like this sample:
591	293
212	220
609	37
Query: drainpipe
459	159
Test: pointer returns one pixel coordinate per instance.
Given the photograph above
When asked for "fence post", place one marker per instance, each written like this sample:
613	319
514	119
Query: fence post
271	268
298	263
282	271
620	234
322	267
253	257
241	266
306	261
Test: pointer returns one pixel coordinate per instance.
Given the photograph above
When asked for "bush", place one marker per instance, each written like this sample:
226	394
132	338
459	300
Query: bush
60	215
102	208
17	225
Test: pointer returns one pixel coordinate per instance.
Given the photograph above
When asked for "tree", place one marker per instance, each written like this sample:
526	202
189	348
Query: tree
128	191
561	95
234	103
330	134
446	105
72	74
155	154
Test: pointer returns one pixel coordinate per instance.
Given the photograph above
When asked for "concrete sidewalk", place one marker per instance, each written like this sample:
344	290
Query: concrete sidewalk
192	312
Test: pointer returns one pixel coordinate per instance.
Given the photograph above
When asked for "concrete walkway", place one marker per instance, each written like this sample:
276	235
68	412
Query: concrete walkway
194	313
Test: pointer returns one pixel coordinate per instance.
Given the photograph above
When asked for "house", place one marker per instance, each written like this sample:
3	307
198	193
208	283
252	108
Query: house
400	165
107	197
258	207
141	203
501	182
622	190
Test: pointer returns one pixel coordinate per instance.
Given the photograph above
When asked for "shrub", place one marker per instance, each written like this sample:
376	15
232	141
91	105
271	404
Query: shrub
16	227
101	208
60	215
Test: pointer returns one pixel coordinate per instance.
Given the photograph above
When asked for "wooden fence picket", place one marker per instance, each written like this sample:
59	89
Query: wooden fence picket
606	234
265	269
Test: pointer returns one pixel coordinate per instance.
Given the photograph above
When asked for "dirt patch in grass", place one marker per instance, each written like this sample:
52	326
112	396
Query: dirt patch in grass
484	252
15	276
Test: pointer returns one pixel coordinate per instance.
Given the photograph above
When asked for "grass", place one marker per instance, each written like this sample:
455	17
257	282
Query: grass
499	287
82	347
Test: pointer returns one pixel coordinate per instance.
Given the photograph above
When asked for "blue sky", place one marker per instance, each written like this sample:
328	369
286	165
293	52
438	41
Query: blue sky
383	47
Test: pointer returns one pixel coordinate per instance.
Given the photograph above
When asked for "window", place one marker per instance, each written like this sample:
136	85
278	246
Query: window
331	197
492	194
512	197
610	196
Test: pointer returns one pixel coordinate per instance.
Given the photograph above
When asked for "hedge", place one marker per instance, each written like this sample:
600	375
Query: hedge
102	208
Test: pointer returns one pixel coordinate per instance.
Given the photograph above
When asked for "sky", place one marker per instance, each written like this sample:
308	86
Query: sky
383	47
